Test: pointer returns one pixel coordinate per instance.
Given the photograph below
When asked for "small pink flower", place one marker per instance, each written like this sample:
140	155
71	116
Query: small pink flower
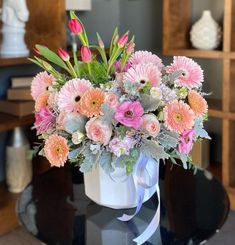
145	57
186	141
86	54
98	131
130	48
123	40
143	73
121	146
71	93
151	125
56	150
75	26
63	54
44	119
130	114
112	100
192	76
41	83
118	66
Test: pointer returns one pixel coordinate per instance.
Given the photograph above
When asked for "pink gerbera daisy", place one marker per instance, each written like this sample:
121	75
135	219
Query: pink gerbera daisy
143	73
71	93
41	83
56	150
178	116
145	57
192	76
197	103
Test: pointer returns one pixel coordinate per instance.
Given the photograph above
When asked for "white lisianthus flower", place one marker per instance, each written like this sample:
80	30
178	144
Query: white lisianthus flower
77	137
156	92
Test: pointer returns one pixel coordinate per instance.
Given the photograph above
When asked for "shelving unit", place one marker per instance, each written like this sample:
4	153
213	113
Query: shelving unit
46	26
176	26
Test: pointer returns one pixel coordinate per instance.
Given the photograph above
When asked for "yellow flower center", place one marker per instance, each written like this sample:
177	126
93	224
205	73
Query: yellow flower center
178	117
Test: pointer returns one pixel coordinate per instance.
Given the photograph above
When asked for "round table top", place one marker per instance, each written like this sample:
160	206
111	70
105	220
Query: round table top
54	209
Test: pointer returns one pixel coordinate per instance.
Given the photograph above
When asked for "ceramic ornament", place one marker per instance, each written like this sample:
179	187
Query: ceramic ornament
14	16
206	33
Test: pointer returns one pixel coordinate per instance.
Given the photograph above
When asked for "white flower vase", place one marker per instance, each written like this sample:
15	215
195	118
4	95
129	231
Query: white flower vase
116	190
206	34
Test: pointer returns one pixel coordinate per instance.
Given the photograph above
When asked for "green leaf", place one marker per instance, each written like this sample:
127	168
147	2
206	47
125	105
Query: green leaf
51	56
36	62
75	123
108	113
152	149
106	162
199	130
149	103
168	139
121	130
131	88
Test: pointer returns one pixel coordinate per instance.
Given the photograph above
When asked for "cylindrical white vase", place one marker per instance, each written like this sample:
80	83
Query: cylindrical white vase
206	34
18	167
116	190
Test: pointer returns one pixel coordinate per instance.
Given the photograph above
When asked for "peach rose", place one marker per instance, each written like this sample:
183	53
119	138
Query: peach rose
151	124
98	131
112	100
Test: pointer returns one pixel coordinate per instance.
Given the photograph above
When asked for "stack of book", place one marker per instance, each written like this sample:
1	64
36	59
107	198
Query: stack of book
19	101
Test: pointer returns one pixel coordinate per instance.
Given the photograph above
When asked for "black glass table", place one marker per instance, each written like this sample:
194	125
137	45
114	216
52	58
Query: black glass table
55	209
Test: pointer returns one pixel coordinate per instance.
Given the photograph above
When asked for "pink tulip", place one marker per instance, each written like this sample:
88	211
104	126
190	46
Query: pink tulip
63	54
75	26
86	54
130	48
123	40
36	51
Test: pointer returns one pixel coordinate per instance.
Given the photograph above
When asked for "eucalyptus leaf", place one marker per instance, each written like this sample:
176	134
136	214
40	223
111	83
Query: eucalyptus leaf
152	149
108	113
75	123
106	162
149	103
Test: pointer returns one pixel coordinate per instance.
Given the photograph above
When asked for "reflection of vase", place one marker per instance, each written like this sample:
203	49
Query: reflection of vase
116	190
18	167
206	33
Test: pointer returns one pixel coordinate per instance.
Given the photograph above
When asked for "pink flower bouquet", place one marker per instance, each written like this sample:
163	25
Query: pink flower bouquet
109	108
104	101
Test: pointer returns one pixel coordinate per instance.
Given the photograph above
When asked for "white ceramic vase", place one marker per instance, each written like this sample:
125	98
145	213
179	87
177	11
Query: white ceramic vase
206	34
116	190
18	166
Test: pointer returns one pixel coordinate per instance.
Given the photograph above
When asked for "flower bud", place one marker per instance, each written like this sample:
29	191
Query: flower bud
75	26
130	48
86	54
77	137
123	40
63	54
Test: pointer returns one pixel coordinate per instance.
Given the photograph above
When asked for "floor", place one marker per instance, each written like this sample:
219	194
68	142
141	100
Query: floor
225	237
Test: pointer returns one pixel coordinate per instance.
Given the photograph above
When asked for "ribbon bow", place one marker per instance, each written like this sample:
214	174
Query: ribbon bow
146	176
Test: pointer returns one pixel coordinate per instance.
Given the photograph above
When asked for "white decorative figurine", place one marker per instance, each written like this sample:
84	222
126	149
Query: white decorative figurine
14	16
206	33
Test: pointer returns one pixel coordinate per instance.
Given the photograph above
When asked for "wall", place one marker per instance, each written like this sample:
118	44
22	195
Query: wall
142	17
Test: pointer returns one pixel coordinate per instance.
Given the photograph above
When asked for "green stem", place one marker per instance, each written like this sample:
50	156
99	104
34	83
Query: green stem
71	69
75	59
89	68
112	60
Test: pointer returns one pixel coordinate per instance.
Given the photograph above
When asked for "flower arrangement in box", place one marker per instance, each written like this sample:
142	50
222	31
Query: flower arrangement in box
115	114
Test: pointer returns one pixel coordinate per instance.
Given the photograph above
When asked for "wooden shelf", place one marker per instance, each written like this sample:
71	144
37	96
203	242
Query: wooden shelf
8	122
215	108
8	216
13	61
213	54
